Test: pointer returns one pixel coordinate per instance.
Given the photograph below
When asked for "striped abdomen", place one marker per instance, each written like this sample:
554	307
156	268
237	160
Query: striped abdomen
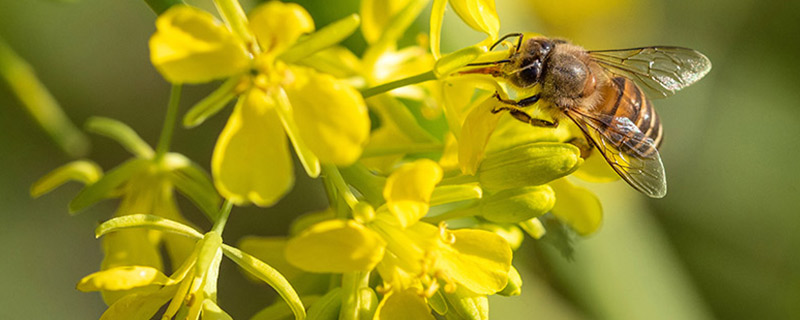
622	98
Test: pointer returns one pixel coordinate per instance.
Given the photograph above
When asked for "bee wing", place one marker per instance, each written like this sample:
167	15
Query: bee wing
660	71
643	170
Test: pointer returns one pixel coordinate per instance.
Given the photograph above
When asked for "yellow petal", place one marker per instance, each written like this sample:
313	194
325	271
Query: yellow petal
478	128
478	14
577	207
330	114
376	14
190	46
406	304
479	260
140	305
277	25
122	278
408	190
251	161
336	246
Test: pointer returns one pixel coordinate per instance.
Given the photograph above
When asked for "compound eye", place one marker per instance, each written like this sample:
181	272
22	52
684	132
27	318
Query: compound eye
529	75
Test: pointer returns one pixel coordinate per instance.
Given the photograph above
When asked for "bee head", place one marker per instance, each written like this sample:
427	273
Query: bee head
529	62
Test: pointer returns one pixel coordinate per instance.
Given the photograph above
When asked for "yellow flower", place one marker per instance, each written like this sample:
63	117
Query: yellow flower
325	119
412	257
192	288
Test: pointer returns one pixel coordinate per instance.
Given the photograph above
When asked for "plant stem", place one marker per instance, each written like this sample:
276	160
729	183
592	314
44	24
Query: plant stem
352	282
169	122
39	103
422	77
411	148
234	16
336	179
222	218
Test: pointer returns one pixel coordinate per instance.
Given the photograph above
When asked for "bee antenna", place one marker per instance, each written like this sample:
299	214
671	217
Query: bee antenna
510	35
488	63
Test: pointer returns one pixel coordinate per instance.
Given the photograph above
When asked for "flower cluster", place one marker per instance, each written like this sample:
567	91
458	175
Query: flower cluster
406	145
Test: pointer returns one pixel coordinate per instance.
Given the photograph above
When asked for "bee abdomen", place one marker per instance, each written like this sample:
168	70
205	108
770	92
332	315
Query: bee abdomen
623	99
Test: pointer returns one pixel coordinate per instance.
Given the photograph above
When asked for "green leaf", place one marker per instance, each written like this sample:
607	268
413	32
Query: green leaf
84	171
104	187
322	38
194	183
120	132
146	221
269	275
211	104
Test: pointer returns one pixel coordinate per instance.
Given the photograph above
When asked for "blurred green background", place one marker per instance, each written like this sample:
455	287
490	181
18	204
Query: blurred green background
723	244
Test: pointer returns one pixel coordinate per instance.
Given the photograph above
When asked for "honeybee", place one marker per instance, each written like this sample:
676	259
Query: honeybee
604	93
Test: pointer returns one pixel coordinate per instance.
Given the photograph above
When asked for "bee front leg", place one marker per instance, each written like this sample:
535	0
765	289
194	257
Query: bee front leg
515	109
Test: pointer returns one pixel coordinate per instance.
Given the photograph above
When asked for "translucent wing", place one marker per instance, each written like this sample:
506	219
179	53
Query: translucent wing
660	71
629	152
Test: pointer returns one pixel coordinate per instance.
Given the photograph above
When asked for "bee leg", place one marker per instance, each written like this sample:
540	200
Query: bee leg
524	117
521	103
584	146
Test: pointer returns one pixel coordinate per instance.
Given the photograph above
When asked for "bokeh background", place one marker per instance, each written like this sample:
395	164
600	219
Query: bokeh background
724	243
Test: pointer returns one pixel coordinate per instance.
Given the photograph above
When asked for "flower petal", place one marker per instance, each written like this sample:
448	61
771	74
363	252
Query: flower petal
478	14
139	305
336	246
479	260
376	15
330	114
408	190
251	162
190	46
577	207
122	278
406	304
478	128
277	25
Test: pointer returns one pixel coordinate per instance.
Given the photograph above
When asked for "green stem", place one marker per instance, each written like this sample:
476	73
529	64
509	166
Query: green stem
39	103
422	77
336	179
222	218
469	211
352	282
169	122
234	16
402	149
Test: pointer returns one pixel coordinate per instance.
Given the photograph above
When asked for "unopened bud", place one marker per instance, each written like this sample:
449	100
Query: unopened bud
530	164
513	235
514	285
518	204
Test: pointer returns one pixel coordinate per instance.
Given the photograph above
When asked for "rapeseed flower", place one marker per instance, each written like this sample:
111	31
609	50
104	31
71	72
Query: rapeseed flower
415	259
324	118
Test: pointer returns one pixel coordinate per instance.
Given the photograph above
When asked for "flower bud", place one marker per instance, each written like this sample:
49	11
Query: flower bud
530	164
518	204
510	232
468	305
514	286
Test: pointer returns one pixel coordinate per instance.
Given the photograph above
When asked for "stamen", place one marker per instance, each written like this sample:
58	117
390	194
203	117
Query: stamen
446	237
